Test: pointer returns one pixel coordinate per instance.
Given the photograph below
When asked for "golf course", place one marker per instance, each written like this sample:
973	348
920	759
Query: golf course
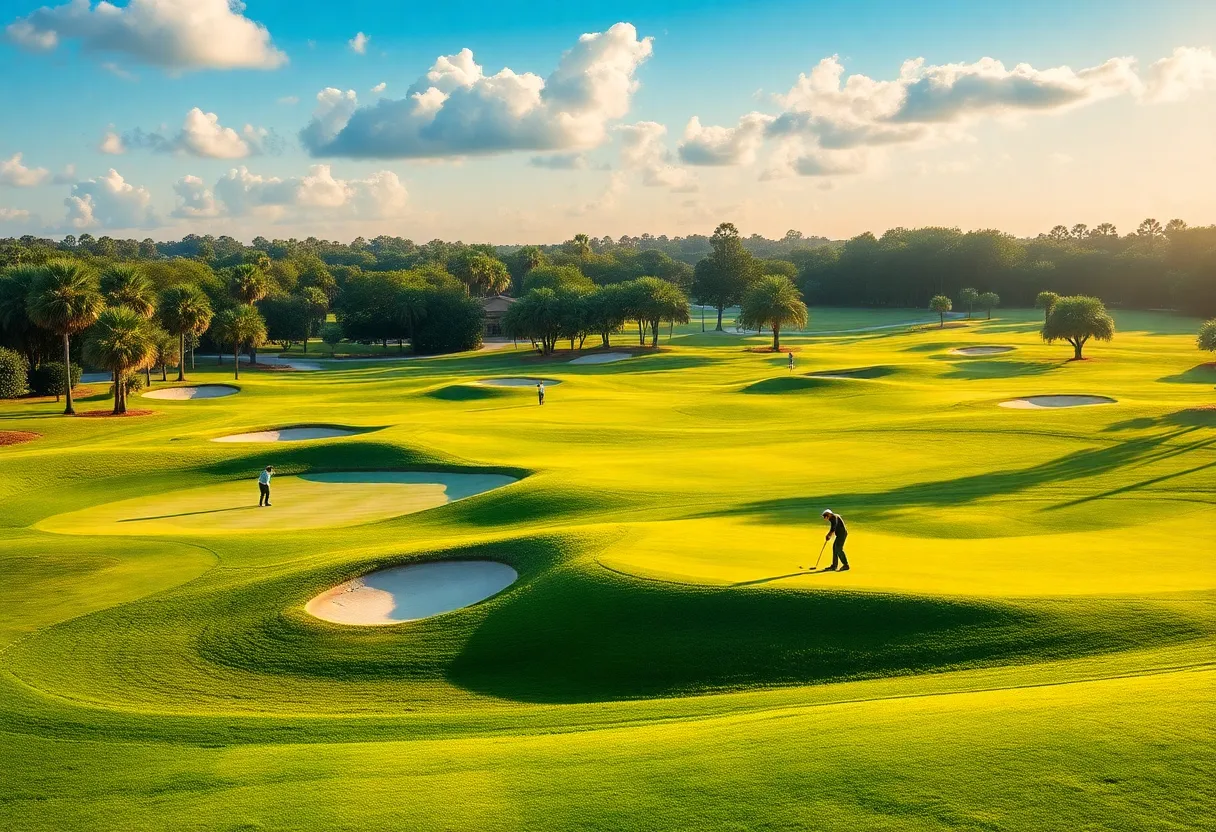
636	635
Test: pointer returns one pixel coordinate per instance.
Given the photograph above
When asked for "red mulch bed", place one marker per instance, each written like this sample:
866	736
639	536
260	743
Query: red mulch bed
16	437
271	368
101	414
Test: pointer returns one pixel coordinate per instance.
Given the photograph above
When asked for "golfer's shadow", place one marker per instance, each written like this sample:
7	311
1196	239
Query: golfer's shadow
186	514
782	577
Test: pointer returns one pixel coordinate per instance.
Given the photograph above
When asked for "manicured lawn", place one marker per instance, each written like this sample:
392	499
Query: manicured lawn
1026	640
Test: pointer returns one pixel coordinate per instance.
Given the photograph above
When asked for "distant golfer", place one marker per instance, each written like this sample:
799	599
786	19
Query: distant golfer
540	392
838	531
264	486
791	361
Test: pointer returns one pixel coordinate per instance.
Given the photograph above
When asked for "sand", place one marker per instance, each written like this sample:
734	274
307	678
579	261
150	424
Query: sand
517	382
1048	402
602	358
289	434
981	350
201	391
411	593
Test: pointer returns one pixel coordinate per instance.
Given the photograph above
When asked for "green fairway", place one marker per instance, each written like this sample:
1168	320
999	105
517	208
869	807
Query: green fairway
1026	639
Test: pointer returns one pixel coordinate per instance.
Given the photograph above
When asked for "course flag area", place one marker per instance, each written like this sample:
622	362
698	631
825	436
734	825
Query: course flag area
556	417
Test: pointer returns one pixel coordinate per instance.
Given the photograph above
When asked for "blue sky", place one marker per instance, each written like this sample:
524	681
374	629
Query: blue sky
601	140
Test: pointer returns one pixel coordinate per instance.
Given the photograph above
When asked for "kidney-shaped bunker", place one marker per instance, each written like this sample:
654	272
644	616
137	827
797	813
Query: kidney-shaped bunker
410	593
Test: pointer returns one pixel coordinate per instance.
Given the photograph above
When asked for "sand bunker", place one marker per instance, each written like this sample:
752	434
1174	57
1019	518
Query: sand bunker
981	350
1047	402
309	501
201	391
290	434
517	382
602	358
411	593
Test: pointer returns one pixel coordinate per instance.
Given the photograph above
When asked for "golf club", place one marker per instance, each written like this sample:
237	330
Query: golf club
819	557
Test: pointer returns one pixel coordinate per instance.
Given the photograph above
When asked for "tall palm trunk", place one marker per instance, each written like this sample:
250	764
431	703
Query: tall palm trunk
68	410
181	356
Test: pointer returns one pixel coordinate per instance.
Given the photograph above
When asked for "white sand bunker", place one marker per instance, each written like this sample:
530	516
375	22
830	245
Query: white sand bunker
1046	402
517	382
411	593
602	358
202	391
290	434
981	350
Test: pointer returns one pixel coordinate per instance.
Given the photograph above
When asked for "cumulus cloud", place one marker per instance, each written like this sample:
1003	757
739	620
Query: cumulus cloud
644	149
111	144
455	109
109	202
13	174
379	88
14	215
318	194
832	125
171	34
358	43
203	136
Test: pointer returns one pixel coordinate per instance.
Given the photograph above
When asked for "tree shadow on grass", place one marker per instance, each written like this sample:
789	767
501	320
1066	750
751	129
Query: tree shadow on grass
1191	417
1199	374
989	368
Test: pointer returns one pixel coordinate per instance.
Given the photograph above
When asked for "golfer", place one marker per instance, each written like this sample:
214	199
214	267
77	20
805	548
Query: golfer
264	486
838	531
540	391
791	361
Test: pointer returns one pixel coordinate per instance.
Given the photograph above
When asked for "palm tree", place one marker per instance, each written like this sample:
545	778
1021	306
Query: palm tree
773	301
64	299
184	310
247	283
238	326
124	284
121	341
15	285
167	351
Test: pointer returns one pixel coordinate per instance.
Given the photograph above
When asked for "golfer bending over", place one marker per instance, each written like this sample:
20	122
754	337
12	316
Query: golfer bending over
264	486
838	531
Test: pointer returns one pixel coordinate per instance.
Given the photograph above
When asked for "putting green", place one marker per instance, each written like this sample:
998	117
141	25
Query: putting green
309	501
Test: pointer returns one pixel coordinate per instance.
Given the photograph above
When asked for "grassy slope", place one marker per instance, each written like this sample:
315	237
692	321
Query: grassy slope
1026	641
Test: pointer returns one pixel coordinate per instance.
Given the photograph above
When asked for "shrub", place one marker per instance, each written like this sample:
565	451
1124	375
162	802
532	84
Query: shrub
13	372
452	323
48	379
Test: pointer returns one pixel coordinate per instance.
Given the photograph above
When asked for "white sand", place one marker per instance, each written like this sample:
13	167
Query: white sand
602	358
980	350
1044	402
517	382
287	435
202	391
411	593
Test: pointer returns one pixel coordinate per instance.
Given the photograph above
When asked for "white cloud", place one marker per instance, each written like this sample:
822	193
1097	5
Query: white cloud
358	43
379	88
456	109
560	161
109	202
111	144
644	149
68	177
172	34
290	100
606	201
318	194
13	174
724	145
1186	71
203	136
118	72
14	215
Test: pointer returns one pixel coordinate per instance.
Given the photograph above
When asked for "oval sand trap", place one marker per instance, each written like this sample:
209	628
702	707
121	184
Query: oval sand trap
1049	402
289	434
517	382
981	350
201	391
309	501
602	358
411	593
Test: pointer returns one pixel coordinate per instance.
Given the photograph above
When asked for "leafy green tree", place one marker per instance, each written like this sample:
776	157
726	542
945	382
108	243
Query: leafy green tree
331	335
65	300
989	301
48	379
941	305
288	319
247	283
318	308
1045	301
1207	336
167	350
184	312
121	341
239	326
126	284
557	277
14	370
1077	319
537	317
774	301
480	273
451	322
721	278
16	328
607	309
967	297
656	301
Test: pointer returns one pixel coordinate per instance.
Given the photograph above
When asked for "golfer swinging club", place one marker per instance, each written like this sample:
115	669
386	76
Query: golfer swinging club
838	531
264	486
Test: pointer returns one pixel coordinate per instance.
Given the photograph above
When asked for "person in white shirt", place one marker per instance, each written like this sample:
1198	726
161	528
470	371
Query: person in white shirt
540	392
264	486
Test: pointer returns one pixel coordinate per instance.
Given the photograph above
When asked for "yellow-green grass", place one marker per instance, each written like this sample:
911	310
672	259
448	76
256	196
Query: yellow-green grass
1026	640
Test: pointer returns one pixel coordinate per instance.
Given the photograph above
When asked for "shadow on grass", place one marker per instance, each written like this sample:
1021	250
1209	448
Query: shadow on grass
989	368
1191	417
467	393
1199	374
